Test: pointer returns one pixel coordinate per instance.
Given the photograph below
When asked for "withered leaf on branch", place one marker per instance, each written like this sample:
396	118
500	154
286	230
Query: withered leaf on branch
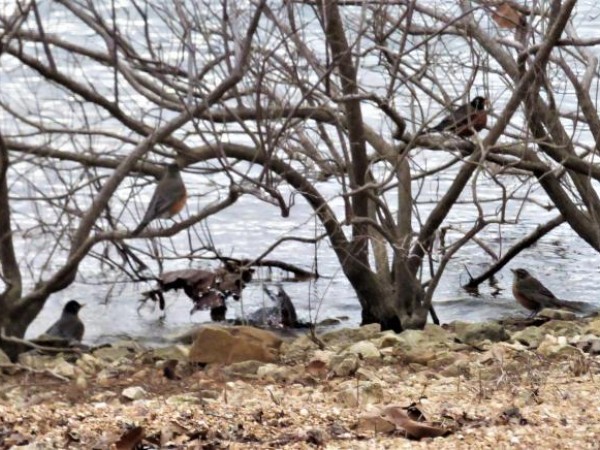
207	289
506	16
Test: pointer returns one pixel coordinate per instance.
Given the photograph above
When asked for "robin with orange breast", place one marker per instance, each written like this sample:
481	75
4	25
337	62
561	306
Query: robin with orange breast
169	198
465	120
534	296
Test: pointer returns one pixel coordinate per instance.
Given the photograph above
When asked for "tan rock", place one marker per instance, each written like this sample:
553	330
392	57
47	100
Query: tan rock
557	314
227	345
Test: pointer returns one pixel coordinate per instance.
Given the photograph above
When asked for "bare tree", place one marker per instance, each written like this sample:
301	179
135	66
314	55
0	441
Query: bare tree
272	97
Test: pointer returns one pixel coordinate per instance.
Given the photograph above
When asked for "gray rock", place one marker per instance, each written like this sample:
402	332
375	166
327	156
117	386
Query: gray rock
112	353
364	349
134	393
557	348
187	398
345	336
593	327
530	336
300	349
178	352
561	328
244	368
591	346
557	314
275	373
476	333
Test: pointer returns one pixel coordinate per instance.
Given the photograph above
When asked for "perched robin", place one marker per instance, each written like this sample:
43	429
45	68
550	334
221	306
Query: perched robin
169	198
534	296
465	120
69	326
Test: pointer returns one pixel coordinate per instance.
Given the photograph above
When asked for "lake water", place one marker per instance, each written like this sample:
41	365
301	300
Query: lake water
563	262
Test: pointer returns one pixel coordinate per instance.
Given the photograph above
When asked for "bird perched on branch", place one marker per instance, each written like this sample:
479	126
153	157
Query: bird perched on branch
69	326
168	199
534	296
465	120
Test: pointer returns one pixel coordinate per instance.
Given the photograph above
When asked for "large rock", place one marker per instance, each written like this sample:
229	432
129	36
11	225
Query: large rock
298	350
557	348
345	336
561	328
593	328
364	349
476	333
530	336
227	345
344	365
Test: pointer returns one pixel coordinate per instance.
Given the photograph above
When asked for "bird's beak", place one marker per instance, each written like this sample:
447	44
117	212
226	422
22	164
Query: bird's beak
81	305
488	103
513	271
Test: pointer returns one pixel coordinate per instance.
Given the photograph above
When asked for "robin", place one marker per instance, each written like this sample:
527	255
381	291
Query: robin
169	198
534	296
465	120
69	326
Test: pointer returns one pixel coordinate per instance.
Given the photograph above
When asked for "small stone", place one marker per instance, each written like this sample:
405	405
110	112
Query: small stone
134	393
244	368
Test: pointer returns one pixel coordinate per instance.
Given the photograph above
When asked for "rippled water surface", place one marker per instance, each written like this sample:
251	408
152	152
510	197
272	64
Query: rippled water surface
561	260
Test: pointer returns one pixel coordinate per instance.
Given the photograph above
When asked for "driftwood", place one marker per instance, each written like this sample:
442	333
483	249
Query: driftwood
207	289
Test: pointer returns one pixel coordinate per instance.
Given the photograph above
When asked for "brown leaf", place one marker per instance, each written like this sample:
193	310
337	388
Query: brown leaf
130	439
506	16
414	430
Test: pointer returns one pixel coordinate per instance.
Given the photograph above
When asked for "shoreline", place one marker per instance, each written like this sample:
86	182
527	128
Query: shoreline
519	384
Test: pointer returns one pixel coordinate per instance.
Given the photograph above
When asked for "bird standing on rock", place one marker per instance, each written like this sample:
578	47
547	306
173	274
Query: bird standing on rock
534	296
69	326
465	120
168	199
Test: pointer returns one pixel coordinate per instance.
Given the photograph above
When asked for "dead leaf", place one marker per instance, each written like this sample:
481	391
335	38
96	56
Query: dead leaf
506	16
130	439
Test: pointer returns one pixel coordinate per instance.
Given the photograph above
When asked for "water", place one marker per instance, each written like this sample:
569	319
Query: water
561	260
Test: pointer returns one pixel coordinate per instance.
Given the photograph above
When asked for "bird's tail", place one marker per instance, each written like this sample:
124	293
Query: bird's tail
566	304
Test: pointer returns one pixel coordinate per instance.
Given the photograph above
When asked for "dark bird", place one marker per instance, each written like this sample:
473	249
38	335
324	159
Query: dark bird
69	326
465	120
534	296
169	198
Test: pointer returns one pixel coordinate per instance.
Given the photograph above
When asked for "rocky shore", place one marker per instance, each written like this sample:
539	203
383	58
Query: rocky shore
520	384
